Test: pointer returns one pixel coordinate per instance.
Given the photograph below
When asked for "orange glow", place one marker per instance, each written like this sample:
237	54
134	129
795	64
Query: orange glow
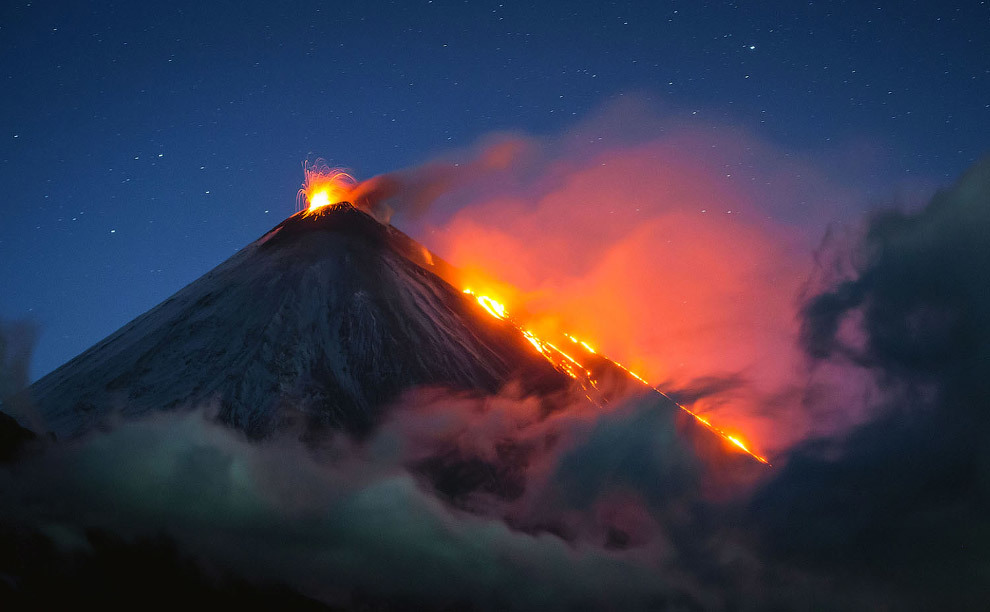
324	186
573	368
494	308
651	255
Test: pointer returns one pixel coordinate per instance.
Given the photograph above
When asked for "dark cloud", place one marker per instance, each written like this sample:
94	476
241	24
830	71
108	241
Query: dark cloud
114	573
903	499
350	524
916	308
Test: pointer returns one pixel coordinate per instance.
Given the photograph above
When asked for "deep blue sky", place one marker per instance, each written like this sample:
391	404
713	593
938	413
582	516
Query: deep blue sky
142	143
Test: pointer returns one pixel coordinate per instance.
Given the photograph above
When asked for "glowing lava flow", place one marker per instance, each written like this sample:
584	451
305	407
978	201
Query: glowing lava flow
735	440
573	368
324	186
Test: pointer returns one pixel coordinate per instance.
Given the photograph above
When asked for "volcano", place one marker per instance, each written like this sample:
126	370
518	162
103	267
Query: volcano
323	321
322	324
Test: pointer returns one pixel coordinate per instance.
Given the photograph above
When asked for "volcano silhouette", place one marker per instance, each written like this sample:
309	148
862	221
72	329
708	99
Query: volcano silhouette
323	321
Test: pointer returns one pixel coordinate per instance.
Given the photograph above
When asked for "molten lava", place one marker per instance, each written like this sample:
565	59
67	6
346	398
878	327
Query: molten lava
324	186
569	365
494	308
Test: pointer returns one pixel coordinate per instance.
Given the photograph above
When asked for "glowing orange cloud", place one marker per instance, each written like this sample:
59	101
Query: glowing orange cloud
655	256
679	250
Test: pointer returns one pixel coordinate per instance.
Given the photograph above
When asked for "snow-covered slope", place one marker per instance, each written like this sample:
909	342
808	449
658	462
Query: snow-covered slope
324	321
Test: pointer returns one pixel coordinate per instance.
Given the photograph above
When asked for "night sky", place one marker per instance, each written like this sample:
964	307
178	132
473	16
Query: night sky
143	143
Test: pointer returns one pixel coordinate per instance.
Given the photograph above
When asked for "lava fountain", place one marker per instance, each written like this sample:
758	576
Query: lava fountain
323	186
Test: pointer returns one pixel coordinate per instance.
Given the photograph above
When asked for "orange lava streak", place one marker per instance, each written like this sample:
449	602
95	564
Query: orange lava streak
573	368
496	309
714	429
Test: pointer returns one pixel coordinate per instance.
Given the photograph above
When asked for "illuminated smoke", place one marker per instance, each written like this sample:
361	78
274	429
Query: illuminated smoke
650	250
678	250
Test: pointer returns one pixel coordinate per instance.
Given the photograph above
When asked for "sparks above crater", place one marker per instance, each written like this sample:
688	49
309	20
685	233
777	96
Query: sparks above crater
324	186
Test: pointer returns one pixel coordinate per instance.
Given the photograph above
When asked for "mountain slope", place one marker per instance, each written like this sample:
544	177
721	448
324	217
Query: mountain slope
326	318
